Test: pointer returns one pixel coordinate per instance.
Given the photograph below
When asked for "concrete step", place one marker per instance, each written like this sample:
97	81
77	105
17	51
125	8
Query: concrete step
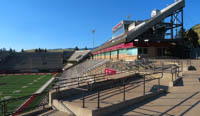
47	113
185	89
60	106
54	113
181	100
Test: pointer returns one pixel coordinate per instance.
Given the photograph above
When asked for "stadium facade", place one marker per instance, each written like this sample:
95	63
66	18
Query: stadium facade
145	38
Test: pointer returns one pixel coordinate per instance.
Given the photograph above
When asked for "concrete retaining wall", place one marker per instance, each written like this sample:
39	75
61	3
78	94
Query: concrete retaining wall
79	111
116	107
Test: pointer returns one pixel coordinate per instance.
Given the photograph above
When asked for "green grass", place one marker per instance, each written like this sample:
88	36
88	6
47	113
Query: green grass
9	84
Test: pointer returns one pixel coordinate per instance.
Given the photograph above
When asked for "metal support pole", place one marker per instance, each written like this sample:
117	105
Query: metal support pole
59	91
124	95
175	73
162	72
93	31
138	69
78	82
172	33
98	102
94	79
4	109
159	84
83	99
178	70
110	54
182	28
118	54
172	73
144	86
182	66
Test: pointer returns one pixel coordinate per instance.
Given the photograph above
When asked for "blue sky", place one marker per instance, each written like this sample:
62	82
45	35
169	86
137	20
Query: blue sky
53	24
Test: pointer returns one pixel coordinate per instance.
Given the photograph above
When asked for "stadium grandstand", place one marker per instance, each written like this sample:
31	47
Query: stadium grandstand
22	62
78	56
117	78
32	62
82	68
145	38
3	56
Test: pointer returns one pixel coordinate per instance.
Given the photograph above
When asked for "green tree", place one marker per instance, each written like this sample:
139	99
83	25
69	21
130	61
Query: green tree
193	38
76	48
22	50
85	48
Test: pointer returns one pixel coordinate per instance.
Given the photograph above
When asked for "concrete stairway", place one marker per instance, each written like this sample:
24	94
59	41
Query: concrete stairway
181	100
54	113
110	100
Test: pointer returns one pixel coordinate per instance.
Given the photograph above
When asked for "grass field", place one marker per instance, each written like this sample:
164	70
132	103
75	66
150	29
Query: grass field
20	85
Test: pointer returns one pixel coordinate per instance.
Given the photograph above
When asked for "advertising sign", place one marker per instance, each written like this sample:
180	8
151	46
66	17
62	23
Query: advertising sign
118	30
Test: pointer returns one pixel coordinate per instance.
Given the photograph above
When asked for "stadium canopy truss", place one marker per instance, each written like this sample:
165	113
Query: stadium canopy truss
168	22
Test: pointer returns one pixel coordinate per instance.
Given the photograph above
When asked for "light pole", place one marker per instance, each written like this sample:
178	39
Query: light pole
93	31
128	17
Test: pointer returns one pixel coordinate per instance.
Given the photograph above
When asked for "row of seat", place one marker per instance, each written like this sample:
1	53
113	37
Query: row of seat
20	61
82	68
4	55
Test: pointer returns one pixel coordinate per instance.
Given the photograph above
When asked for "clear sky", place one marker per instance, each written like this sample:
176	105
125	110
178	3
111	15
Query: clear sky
53	24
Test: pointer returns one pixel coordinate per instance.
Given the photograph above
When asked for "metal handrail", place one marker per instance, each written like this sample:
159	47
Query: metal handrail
80	80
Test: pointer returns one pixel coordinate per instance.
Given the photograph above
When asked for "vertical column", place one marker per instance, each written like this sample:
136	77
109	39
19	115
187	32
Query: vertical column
110	54
98	101
182	22
124	95
172	33
144	85
118	54
83	98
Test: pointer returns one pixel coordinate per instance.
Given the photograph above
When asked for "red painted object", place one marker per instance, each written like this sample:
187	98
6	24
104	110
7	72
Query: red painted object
109	71
120	46
29	101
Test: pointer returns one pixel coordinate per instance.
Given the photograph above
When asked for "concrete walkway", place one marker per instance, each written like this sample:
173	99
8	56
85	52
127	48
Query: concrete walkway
41	89
181	100
113	96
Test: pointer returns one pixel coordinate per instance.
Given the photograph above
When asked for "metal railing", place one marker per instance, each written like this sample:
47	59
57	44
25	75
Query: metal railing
123	84
173	69
18	105
9	107
146	67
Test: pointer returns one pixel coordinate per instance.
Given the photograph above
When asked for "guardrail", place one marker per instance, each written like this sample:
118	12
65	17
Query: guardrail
9	107
84	80
123	84
30	102
75	82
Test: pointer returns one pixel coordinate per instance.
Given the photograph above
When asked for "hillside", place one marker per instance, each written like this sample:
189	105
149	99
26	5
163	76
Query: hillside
57	50
196	28
50	50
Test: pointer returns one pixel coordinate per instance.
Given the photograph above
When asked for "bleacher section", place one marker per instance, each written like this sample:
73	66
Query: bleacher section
82	68
32	62
3	56
78	56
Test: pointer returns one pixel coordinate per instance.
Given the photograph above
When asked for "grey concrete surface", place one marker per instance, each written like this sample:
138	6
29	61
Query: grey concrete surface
181	100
